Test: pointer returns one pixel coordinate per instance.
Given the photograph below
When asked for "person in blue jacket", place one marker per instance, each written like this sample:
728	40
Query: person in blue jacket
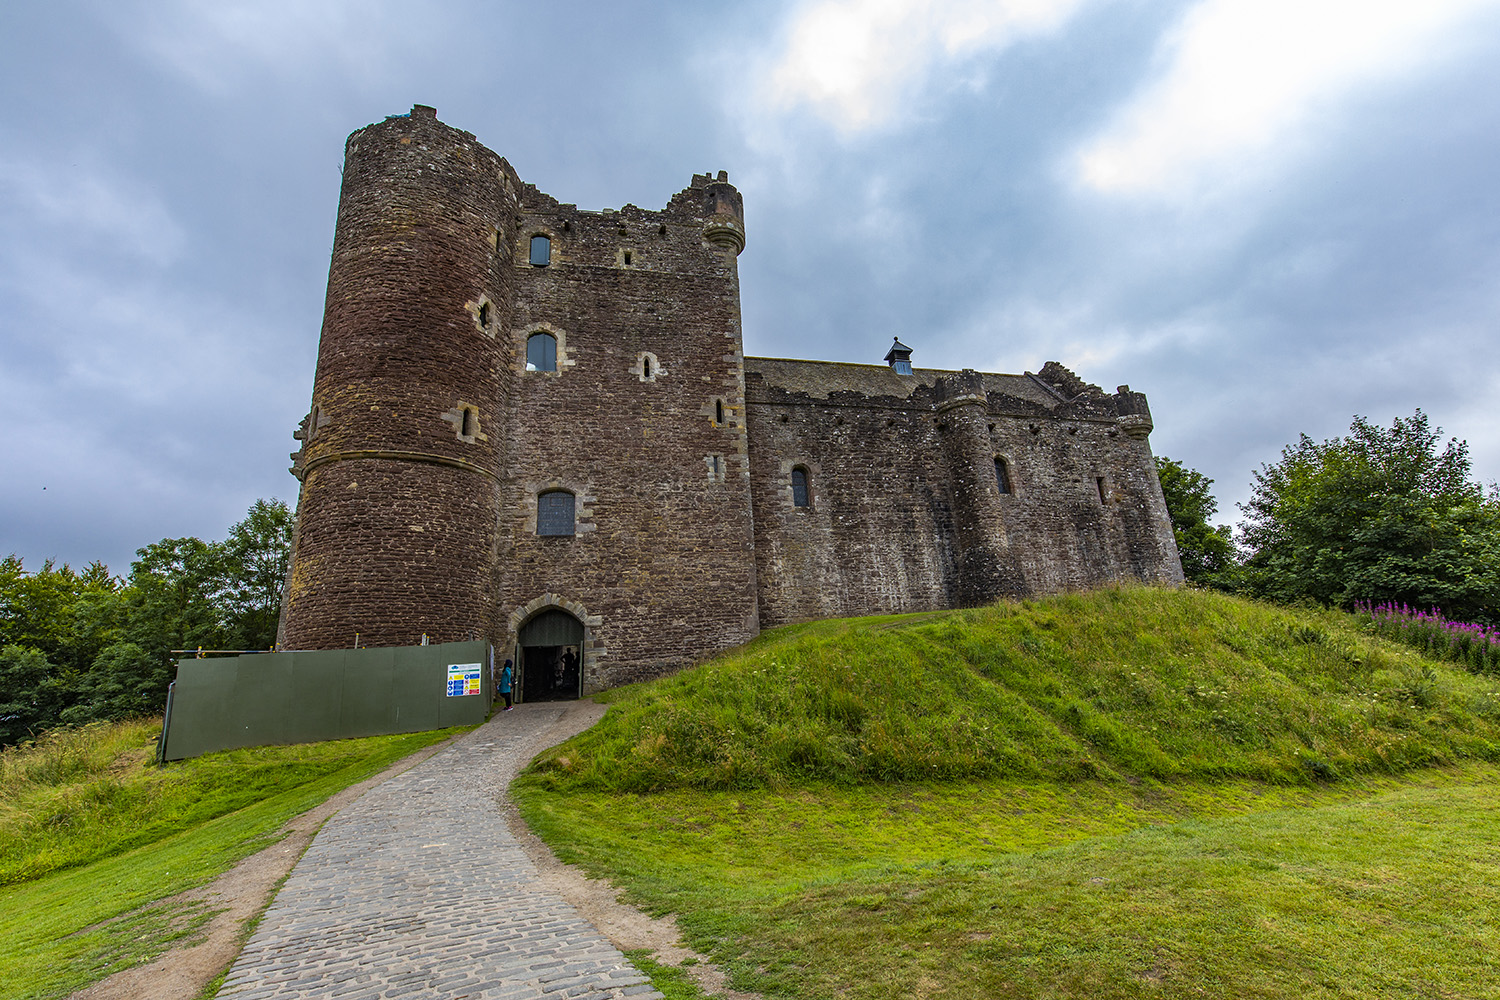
505	675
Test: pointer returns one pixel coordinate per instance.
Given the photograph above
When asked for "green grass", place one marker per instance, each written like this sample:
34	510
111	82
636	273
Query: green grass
186	823
1126	682
1383	887
1121	794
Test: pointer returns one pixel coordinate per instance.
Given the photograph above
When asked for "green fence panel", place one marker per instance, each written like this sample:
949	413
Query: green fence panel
262	699
306	697
316	698
417	674
367	708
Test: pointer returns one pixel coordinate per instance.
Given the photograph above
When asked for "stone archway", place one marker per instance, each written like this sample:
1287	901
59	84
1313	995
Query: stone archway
555	655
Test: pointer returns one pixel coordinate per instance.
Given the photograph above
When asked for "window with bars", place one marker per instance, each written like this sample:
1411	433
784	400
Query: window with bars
554	513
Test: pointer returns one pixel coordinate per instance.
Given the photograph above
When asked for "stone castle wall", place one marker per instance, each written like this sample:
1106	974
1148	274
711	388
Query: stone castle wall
429	441
903	487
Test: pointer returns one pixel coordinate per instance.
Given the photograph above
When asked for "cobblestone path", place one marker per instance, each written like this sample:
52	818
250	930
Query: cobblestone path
417	889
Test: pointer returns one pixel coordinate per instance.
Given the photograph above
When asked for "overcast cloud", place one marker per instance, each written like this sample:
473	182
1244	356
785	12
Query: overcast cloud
1268	215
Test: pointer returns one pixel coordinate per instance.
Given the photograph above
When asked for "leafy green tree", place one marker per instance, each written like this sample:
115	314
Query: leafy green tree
1208	554
86	645
1384	514
124	683
256	555
68	616
32	693
174	596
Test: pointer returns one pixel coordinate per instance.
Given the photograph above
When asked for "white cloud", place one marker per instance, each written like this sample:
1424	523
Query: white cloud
113	215
1241	77
858	63
215	44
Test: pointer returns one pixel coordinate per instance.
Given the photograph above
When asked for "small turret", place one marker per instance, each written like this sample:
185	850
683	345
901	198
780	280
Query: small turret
899	357
724	209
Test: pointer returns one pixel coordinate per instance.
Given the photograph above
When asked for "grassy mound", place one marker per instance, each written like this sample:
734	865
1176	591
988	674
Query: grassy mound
1118	683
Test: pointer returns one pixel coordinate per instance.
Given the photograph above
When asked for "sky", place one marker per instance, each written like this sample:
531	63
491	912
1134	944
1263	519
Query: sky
1268	215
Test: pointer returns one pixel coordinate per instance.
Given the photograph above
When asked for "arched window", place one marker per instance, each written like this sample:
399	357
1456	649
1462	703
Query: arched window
554	513
541	251
799	487
1002	475
541	353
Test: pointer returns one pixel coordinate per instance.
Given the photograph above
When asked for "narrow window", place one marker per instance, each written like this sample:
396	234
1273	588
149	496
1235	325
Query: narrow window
1002	476
554	513
484	314
541	353
646	366
1099	482
718	411
799	487
541	251
627	258
469	421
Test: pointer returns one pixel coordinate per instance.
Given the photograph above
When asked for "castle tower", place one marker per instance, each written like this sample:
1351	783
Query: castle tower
985	569
403	444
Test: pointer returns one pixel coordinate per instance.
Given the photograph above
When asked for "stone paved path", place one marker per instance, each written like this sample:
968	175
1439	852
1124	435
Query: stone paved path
417	889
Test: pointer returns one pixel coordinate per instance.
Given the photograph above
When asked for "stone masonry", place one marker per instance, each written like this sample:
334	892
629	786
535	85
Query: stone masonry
636	475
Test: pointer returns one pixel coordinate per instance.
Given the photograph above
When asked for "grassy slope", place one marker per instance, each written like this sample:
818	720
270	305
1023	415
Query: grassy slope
1141	682
1209	856
107	833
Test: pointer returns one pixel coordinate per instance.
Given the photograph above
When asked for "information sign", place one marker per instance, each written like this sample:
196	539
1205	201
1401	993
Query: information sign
463	679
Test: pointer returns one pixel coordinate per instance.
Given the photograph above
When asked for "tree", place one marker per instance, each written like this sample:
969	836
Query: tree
68	616
31	694
256	557
80	646
1380	515
1207	552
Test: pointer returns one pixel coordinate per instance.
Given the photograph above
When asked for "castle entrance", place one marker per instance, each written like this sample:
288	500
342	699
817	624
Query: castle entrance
550	657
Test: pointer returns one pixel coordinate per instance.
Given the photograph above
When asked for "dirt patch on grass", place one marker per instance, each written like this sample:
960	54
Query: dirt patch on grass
235	898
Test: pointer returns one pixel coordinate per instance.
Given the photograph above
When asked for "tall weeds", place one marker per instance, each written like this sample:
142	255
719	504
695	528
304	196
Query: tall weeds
1434	634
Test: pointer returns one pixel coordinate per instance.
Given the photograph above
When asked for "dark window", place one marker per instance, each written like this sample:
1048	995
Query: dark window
541	353
1002	475
470	419
554	513
627	256
799	487
1099	482
541	251
484	314
646	365
718	411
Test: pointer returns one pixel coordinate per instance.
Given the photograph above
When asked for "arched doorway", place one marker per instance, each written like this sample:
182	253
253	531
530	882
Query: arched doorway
549	658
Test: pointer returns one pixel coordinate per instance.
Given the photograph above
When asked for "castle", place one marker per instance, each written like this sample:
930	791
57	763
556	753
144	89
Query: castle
536	425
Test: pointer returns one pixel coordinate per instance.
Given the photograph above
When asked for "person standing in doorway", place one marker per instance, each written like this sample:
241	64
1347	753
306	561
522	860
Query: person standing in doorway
505	685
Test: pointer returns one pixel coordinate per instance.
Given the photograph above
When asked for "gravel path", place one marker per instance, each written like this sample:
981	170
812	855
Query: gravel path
418	889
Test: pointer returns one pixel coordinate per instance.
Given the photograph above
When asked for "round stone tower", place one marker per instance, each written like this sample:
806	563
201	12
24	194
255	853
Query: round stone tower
985	567
401	449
